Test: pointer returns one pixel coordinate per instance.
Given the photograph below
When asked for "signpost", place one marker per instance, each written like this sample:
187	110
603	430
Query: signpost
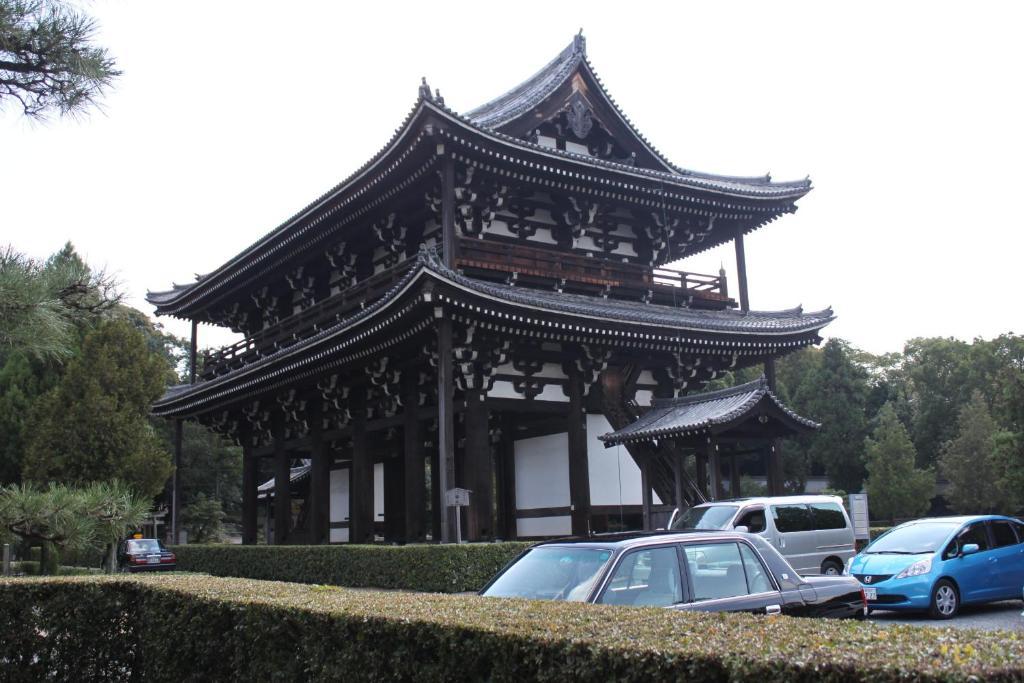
458	499
857	506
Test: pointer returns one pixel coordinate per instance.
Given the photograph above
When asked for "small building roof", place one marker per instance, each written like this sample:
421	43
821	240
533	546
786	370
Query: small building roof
711	412
296	474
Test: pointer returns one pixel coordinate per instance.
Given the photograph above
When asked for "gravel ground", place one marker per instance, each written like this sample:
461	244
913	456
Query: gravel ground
996	615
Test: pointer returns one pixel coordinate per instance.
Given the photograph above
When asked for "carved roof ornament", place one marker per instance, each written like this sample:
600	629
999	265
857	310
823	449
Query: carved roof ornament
580	117
425	90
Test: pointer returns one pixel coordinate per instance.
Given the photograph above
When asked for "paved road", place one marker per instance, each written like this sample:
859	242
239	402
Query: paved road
996	615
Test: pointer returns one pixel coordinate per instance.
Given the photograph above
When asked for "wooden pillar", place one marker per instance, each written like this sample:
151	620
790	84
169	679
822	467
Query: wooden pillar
361	476
192	352
741	270
250	485
437	500
479	468
701	461
413	471
734	476
506	480
176	482
445	374
579	466
678	463
282	490
319	485
645	484
394	499
445	426
715	470
773	465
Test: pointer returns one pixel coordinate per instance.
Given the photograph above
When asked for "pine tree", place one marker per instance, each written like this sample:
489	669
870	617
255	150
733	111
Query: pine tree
93	426
895	486
47	59
969	461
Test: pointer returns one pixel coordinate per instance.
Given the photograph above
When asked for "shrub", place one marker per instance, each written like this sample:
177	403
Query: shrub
433	568
188	627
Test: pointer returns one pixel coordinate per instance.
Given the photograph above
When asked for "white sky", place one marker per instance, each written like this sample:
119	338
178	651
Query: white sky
231	116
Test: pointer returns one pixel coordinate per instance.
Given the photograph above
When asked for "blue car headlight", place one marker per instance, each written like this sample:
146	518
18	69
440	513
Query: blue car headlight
917	569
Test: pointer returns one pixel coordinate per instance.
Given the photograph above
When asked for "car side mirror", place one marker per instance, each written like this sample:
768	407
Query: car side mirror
969	549
742	528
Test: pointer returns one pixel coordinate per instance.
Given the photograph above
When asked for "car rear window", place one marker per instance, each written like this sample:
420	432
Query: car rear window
827	516
146	545
791	518
1003	533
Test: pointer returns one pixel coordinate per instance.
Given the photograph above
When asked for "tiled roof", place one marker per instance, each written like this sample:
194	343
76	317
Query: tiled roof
592	309
698	413
266	489
788	321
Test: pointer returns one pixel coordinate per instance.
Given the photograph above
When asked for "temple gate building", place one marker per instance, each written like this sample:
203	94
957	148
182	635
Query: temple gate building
484	305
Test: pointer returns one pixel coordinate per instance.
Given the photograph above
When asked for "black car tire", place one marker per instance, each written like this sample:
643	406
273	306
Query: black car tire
945	601
835	567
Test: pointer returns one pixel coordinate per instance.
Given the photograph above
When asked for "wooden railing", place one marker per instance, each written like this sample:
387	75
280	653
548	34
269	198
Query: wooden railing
301	325
558	265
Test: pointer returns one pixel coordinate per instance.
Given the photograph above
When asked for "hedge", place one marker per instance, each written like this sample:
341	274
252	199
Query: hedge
191	627
434	568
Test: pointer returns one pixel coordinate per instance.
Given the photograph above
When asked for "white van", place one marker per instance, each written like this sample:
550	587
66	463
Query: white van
813	532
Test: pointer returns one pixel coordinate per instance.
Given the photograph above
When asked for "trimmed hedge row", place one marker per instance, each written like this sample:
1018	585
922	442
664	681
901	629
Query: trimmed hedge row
432	568
189	627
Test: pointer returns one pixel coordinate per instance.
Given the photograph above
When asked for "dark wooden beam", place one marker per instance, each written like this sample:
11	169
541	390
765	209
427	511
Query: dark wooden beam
701	463
319	485
361	475
192	352
579	466
250	506
734	475
176	482
445	425
414	470
645	492
715	470
282	489
449	240
506	479
741	269
479	468
678	462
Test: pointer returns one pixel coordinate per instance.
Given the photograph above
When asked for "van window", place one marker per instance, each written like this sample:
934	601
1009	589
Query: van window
753	520
705	517
827	516
791	518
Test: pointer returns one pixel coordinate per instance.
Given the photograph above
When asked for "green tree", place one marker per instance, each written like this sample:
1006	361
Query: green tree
939	384
970	461
93	426
204	519
835	395
22	381
48	61
895	486
43	304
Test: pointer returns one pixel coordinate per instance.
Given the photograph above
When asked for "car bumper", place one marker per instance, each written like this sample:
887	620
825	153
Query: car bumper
914	593
150	567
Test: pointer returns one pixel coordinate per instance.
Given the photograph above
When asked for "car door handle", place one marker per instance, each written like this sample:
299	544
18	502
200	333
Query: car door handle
773	609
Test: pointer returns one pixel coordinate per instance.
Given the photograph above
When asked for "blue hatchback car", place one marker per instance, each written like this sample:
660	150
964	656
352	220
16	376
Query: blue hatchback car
940	563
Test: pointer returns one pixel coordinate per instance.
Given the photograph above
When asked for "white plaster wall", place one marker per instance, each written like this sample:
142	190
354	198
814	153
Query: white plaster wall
614	476
552	392
378	492
542	472
503	389
339	496
644	396
544	526
339	536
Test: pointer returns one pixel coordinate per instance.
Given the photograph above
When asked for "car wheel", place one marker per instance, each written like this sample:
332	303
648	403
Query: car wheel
945	600
831	568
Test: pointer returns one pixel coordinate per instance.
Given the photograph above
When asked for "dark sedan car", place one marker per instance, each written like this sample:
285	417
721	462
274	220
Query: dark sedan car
715	571
144	554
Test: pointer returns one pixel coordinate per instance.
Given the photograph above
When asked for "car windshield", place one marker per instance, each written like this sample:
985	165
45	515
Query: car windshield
145	545
551	573
705	517
913	539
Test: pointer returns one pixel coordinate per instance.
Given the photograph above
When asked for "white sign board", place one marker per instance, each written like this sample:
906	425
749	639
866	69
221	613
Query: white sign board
857	505
457	497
